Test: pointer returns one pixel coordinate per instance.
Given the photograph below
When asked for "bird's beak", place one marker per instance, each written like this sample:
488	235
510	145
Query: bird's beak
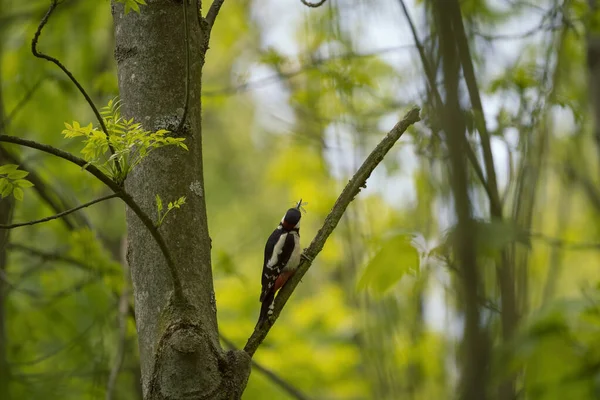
299	204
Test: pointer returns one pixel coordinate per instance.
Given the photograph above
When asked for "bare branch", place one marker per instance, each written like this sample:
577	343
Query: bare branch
55	61
353	187
313	5
213	11
126	197
276	379
59	215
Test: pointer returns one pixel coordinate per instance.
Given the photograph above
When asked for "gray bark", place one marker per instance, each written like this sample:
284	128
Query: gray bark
180	353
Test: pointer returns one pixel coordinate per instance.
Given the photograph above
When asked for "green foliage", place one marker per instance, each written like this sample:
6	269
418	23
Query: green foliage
12	181
560	348
379	343
171	206
489	237
131	143
395	258
132	5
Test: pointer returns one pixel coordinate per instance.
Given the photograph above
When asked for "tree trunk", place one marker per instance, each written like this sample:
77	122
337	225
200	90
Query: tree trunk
593	64
180	353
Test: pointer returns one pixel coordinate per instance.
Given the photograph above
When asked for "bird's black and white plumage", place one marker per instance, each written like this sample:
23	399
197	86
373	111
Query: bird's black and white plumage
282	256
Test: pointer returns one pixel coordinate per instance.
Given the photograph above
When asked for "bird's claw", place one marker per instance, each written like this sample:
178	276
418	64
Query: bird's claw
306	257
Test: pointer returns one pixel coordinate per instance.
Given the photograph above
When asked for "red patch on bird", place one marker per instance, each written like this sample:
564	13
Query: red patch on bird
282	279
287	225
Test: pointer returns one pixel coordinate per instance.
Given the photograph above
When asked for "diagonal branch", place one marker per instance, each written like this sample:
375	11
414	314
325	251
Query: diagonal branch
56	62
126	197
61	214
358	181
213	11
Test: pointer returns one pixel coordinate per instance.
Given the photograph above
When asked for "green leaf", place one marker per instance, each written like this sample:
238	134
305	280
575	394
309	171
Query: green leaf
395	258
18	193
159	203
17	174
6	190
24	183
490	237
8	168
131	143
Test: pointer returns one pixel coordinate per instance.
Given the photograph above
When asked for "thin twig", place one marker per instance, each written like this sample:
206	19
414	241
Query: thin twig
59	215
313	5
213	11
353	187
279	381
56	62
186	41
126	197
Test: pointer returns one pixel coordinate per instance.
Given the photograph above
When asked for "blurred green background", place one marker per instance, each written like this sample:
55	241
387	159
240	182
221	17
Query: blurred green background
293	100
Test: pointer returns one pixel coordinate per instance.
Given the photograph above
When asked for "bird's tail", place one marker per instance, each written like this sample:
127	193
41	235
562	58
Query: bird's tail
267	305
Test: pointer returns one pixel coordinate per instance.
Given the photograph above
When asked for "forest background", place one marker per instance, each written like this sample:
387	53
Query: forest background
294	99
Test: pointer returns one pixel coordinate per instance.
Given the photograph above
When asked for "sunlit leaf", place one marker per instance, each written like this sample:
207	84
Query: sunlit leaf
8	168
17	174
18	193
159	203
24	183
395	258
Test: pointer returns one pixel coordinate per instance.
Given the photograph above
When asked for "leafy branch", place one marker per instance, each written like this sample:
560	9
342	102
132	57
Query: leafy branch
353	187
117	189
56	62
132	5
130	141
13	181
171	206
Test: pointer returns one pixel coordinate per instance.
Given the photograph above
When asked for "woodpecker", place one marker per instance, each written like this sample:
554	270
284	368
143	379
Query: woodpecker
282	256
